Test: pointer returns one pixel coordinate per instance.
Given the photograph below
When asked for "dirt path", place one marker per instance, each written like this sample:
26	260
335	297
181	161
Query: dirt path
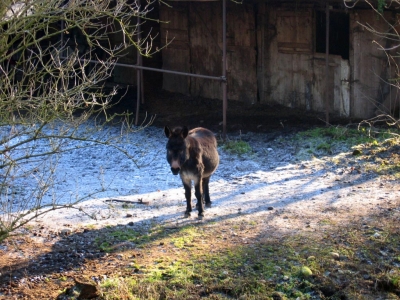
260	197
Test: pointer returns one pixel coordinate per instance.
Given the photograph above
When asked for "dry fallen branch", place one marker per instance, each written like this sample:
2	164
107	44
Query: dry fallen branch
140	201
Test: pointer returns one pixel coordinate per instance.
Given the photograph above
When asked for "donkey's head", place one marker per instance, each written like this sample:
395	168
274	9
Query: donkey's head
177	149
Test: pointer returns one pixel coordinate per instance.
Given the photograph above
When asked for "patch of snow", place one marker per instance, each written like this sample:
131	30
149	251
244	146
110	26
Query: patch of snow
255	184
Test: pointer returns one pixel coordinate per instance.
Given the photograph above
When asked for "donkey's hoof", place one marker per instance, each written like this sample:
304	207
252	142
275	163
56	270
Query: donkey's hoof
208	204
201	217
187	214
198	206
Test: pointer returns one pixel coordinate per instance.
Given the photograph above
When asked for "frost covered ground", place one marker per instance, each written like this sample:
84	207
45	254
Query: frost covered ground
273	182
334	209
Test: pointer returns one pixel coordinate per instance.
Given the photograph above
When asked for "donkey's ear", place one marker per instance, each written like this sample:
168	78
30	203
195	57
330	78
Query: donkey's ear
167	131
185	132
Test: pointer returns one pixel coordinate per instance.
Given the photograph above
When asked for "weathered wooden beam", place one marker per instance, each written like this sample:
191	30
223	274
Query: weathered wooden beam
327	65
224	87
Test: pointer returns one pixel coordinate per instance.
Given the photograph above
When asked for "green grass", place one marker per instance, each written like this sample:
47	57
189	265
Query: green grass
205	261
116	288
237	147
117	235
325	140
362	143
185	238
198	261
351	137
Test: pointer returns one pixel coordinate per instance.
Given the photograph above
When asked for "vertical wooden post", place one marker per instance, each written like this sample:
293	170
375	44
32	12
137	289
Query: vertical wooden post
327	92
138	73
141	80
224	83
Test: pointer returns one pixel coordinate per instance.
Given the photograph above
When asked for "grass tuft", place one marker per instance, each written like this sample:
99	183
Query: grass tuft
238	147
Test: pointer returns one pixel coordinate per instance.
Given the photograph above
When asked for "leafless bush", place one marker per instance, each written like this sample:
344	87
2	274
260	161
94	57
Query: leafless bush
50	88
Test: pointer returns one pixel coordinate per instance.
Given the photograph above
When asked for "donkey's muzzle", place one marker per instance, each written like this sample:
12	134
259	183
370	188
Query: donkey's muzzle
175	171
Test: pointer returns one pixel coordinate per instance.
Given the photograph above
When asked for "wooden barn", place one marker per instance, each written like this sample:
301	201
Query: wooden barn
313	55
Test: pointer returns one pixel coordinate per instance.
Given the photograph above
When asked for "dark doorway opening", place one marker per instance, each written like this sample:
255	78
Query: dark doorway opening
339	33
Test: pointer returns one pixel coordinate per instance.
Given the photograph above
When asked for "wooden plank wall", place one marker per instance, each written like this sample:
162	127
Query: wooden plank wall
197	49
241	56
286	70
371	94
205	47
367	63
287	64
176	52
292	74
318	83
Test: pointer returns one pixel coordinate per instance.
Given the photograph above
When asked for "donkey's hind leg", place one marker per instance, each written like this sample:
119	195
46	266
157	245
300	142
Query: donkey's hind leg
206	191
188	196
198	191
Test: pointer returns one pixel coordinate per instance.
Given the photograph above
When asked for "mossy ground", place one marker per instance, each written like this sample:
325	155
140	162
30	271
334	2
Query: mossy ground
351	257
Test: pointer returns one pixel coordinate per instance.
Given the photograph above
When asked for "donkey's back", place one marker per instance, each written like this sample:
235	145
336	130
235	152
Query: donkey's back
208	145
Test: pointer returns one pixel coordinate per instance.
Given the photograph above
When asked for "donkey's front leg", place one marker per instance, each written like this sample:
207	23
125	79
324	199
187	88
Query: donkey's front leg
188	196
198	191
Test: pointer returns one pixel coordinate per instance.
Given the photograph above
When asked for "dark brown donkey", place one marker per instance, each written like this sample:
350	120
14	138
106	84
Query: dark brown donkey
193	155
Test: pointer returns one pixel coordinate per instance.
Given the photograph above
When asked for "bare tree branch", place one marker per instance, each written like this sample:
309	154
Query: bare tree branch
50	88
